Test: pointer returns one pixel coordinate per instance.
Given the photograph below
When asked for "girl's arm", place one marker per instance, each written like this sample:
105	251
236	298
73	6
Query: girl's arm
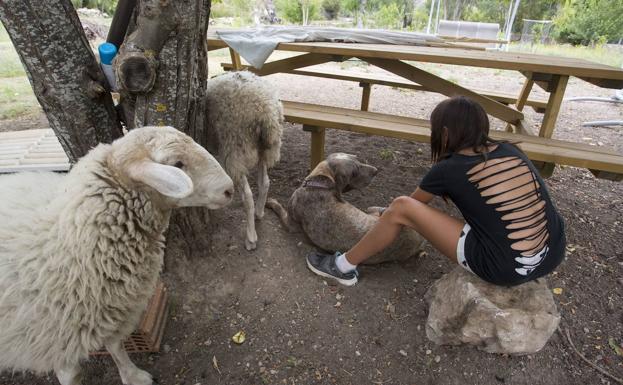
422	195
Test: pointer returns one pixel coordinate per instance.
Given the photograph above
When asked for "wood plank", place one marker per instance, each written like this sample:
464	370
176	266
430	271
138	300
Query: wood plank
447	88
522	99
341	117
235	60
357	121
519	61
291	63
486	59
559	84
502	97
371	123
523	126
317	144
603	83
366	89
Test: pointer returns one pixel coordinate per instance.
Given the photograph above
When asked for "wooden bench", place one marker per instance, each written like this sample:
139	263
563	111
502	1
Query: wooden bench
366	83
316	119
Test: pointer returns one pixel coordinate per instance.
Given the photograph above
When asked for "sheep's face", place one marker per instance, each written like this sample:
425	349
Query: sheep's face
169	164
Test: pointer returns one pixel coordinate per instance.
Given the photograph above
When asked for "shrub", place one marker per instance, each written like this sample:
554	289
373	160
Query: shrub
331	8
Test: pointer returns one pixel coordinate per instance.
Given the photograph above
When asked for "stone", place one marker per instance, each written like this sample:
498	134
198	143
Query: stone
467	310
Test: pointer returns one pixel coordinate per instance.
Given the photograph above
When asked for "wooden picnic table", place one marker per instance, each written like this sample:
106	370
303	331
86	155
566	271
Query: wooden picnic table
548	72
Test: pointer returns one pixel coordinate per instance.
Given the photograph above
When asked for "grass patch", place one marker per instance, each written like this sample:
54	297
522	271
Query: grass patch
387	154
10	65
4	35
600	54
17	99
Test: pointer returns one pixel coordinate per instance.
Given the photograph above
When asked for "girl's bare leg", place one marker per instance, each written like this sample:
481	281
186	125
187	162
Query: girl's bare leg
440	229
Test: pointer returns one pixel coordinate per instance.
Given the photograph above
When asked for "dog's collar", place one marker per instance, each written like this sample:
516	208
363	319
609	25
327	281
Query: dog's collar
324	183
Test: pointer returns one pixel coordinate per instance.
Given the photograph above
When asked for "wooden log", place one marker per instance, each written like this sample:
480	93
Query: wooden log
63	72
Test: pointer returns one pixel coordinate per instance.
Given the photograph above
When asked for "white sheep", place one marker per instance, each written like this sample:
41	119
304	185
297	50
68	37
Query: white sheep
80	253
245	120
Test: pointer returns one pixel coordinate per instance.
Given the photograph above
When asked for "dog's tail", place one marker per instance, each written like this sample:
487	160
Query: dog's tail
281	212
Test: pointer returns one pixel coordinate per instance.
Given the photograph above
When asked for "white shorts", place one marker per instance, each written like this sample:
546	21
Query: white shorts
460	248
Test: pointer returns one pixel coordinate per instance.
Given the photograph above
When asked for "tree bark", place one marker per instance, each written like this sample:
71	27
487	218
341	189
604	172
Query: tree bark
63	72
180	62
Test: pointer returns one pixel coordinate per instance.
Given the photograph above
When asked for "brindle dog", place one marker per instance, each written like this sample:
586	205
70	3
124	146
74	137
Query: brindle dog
318	210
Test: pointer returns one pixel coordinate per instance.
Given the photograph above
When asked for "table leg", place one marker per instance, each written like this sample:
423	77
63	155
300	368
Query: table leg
558	85
317	144
524	94
365	95
235	60
522	127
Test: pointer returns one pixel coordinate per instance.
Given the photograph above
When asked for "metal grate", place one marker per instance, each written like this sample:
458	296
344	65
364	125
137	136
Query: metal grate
30	150
148	336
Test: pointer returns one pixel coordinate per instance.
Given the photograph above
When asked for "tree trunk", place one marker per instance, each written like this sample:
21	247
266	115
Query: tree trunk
174	97
63	72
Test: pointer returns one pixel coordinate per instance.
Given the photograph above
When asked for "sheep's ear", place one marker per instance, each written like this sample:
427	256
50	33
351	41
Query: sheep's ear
167	180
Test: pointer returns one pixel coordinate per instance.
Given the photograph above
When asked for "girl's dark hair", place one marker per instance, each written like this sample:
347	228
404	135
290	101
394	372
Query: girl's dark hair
466	125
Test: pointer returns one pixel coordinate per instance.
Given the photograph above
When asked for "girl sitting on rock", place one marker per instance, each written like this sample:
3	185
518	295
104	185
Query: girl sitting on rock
511	232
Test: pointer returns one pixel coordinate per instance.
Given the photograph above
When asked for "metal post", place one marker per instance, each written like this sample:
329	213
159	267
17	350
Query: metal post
437	22
511	21
430	16
120	22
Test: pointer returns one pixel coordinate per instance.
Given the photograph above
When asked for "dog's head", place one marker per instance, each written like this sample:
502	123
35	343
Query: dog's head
345	171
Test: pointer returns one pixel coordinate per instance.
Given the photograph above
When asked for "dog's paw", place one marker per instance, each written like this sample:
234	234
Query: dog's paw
259	212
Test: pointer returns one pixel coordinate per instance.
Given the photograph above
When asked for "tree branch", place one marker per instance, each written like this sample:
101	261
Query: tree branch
136	64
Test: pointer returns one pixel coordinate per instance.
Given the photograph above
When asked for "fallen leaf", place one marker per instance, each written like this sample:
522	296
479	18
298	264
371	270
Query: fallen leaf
616	347
239	337
391	309
215	364
557	290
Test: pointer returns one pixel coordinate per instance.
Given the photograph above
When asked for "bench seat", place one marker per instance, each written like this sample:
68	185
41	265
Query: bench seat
604	163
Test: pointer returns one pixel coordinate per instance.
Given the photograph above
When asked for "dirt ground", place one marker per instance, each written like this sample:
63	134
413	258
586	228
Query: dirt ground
303	330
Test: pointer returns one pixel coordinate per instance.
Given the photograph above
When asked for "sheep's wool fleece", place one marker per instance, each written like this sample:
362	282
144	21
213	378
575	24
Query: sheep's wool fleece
245	120
79	258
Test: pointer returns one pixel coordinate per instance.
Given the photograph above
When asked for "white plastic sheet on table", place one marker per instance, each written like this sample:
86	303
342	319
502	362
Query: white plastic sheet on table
256	44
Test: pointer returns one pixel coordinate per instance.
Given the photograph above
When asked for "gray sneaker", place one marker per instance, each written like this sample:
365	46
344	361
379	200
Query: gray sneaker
324	265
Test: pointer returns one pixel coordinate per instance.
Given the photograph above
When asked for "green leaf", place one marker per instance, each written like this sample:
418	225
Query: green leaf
616	347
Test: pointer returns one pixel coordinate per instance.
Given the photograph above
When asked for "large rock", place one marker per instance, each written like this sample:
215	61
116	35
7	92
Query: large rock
467	310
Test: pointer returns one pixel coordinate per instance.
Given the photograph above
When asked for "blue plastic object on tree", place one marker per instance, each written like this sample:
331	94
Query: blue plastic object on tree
107	53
